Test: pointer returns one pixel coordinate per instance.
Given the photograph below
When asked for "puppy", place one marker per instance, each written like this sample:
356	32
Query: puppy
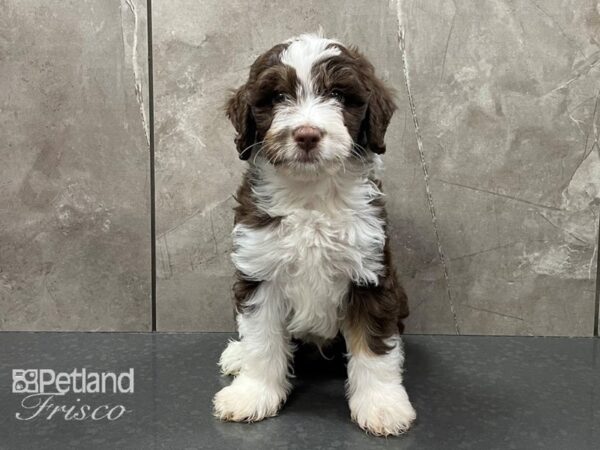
310	240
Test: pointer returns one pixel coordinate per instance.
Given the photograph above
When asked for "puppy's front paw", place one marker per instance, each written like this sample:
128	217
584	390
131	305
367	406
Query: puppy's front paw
247	400
383	411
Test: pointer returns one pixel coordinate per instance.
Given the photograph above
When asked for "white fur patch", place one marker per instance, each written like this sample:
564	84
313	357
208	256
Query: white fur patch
306	50
247	400
378	401
232	358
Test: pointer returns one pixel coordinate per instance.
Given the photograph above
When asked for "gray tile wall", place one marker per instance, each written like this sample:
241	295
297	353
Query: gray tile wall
493	200
506	95
74	172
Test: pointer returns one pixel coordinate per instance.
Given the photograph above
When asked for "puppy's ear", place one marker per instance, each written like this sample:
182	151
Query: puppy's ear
239	112
381	107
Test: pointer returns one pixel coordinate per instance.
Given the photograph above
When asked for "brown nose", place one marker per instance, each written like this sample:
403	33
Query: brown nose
307	137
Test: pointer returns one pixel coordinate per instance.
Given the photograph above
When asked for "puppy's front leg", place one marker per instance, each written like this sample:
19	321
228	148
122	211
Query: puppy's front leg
378	401
264	350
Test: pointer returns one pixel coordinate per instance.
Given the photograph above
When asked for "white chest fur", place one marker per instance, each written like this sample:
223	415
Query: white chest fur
329	235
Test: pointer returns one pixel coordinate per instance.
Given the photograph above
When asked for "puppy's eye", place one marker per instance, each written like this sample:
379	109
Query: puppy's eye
337	95
279	97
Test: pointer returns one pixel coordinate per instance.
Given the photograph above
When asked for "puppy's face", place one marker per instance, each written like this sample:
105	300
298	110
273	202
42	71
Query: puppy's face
309	105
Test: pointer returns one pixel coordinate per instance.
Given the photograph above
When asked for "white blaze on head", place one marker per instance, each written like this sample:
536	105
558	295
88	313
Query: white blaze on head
304	52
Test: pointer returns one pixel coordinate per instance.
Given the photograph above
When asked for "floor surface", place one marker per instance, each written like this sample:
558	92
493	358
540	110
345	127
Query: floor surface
469	393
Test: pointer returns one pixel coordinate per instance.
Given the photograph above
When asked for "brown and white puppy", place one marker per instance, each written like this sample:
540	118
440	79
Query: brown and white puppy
310	243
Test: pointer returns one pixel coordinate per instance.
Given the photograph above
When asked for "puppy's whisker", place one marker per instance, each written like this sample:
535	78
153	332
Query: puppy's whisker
257	153
250	147
278	156
356	146
356	153
341	160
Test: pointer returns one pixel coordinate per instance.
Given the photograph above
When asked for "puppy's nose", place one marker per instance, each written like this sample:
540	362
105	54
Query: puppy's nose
307	137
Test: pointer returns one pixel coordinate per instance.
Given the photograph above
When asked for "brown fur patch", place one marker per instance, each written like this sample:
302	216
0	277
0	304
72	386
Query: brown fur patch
341	75
375	313
250	108
247	212
243	289
356	75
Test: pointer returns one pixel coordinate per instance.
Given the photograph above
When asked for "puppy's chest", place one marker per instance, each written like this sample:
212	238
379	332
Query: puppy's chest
312	256
309	244
317	270
315	245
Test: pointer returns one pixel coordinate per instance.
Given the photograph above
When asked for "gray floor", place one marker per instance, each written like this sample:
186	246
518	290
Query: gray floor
469	392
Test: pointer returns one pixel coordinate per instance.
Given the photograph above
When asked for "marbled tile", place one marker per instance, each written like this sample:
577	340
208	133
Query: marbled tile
507	96
500	239
74	209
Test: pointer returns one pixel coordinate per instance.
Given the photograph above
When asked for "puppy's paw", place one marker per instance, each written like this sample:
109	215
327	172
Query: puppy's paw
231	358
383	411
247	400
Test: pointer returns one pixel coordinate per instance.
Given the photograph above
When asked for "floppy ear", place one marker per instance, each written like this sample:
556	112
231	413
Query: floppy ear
239	112
380	109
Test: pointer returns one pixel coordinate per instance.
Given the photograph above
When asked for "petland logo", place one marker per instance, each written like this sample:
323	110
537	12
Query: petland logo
42	386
